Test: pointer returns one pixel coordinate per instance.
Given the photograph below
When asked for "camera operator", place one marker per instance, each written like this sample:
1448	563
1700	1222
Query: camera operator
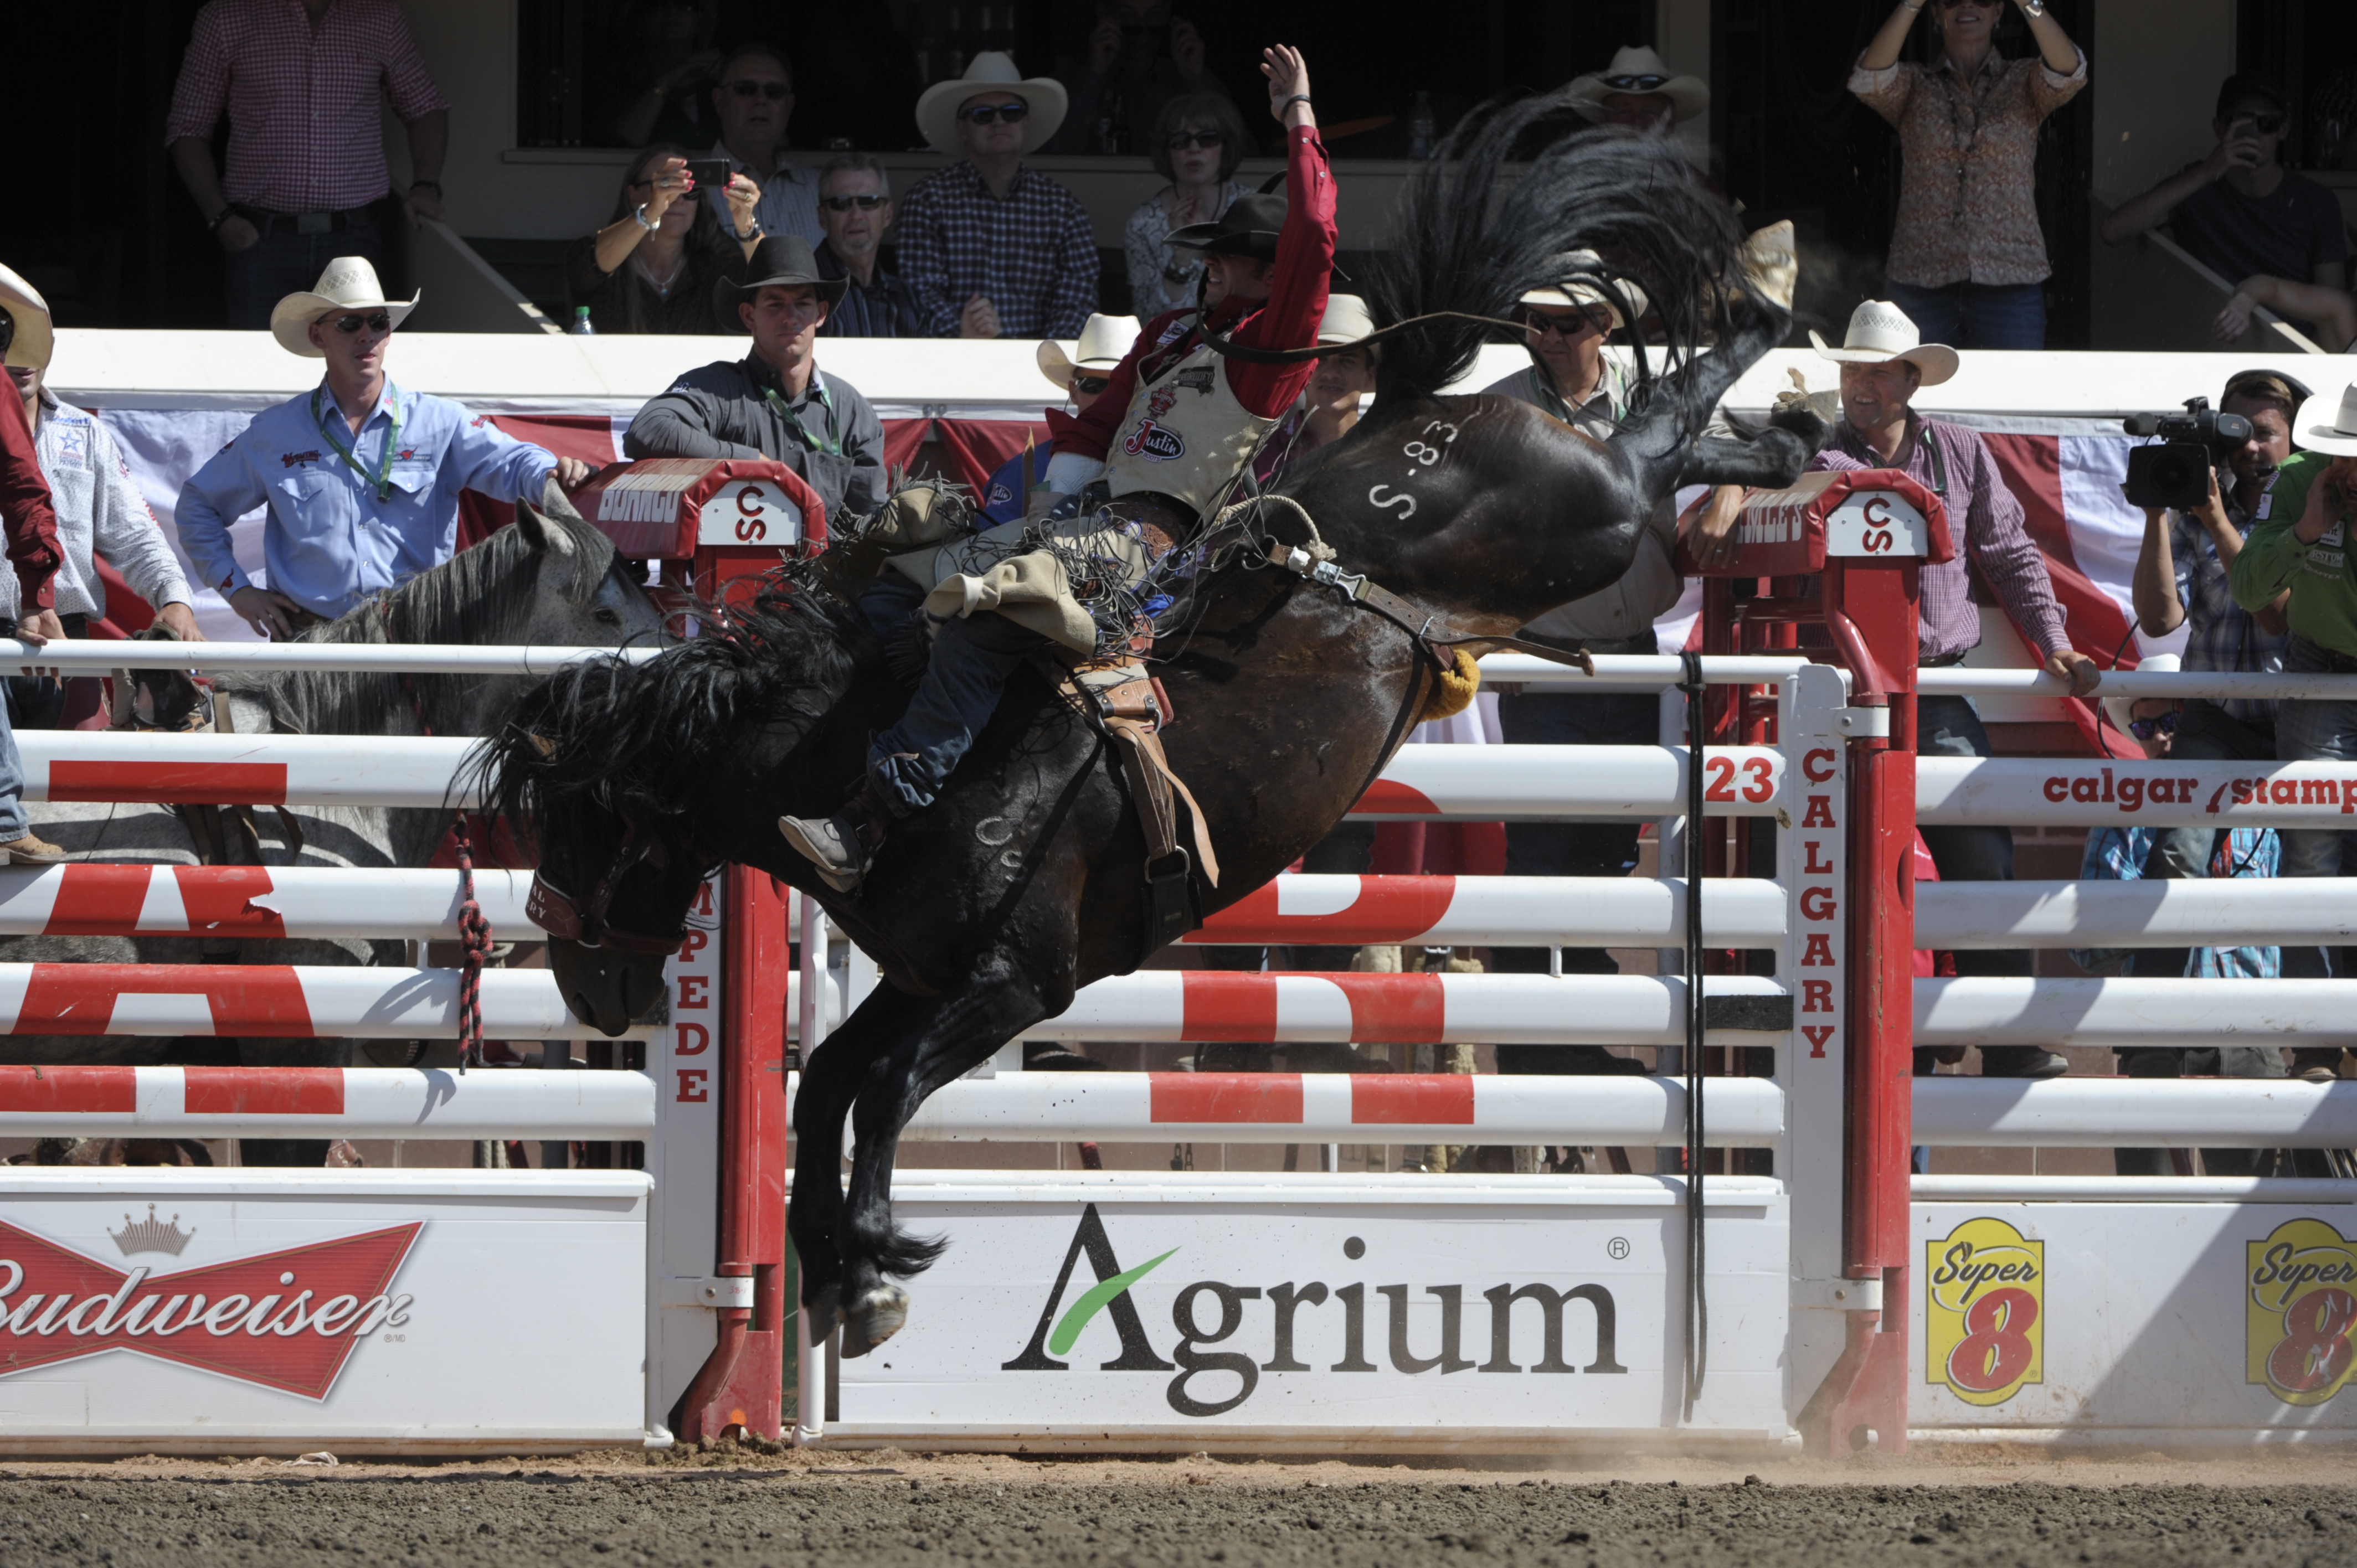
2299	543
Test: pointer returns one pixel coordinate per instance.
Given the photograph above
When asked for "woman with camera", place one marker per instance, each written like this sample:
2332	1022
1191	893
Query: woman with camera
652	268
1198	142
1967	258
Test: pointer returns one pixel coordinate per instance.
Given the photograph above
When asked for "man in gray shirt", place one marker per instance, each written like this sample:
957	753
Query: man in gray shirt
1570	378
774	402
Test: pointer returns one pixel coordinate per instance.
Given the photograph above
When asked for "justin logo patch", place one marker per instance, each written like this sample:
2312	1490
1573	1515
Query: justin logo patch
1154	443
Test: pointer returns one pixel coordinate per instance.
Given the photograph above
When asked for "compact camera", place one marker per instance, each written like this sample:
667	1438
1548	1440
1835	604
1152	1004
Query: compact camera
2176	473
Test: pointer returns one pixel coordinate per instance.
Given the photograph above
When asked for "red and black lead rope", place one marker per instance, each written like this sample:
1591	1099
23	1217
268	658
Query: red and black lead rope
474	929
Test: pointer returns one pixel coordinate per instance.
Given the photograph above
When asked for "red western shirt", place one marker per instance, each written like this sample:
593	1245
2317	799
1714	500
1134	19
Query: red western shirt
24	511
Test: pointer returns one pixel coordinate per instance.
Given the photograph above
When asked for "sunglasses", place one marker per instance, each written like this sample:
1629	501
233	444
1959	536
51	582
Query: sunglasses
745	87
1185	139
1645	83
1539	323
2159	723
845	203
1091	384
2265	124
984	113
381	321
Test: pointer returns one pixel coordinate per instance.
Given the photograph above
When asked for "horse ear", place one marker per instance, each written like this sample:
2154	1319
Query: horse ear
546	535
546	747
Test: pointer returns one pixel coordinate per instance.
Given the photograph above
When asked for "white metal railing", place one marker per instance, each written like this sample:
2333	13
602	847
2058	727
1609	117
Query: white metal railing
80	658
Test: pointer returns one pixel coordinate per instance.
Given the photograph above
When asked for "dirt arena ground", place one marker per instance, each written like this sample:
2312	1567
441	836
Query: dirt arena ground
2284	1510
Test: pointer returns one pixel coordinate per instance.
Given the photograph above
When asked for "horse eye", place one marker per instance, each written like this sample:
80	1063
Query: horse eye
609	617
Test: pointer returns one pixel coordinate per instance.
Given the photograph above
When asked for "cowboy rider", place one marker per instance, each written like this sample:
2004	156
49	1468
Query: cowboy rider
1175	426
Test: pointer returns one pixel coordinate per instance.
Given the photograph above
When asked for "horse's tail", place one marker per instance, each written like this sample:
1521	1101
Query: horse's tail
1471	234
905	1256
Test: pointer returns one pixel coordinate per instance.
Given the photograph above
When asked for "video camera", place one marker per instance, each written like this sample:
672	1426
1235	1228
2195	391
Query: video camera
2176	472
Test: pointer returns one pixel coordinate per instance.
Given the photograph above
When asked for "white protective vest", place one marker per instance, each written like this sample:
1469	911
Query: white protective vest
1184	434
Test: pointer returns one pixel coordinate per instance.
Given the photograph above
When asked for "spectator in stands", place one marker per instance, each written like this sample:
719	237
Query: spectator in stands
2181	576
1198	140
652	268
1082	369
754	96
1967	259
2302	545
1572	378
304	85
2244	216
361	477
671	42
30	526
775	402
1140	58
98	510
991	248
855	207
1639	92
2328	315
1883	364
1328	409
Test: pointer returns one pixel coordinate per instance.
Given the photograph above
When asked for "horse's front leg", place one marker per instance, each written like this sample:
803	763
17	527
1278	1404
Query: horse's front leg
966	1025
831	1075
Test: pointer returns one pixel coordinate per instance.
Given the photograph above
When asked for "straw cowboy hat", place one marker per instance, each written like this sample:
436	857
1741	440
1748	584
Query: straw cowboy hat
1880	332
1579	293
2326	424
34	342
1639	70
991	69
1347	319
348	283
1104	340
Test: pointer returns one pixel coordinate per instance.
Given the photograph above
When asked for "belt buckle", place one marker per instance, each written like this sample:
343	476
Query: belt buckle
315	223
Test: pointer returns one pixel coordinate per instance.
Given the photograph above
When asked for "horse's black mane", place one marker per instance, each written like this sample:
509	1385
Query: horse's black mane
634	737
472	597
1474	232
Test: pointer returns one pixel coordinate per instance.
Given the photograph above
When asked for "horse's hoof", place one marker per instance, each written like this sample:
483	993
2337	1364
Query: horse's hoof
874	1318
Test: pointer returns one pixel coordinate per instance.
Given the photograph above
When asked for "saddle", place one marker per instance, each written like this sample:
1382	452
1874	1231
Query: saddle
1132	708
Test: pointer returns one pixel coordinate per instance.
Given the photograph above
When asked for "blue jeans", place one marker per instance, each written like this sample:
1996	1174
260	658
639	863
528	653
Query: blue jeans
2307	732
281	263
13	825
1977	315
2205	733
973	660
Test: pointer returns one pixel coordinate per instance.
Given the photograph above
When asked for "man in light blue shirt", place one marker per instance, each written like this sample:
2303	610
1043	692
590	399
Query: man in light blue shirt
361	477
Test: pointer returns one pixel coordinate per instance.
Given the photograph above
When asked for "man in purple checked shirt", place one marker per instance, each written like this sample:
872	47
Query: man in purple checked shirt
1884	362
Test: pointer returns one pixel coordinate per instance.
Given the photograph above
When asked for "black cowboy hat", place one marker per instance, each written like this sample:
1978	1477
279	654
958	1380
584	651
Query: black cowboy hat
1248	227
779	261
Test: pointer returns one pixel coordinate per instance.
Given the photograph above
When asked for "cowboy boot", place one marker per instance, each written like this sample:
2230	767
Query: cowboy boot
843	845
33	850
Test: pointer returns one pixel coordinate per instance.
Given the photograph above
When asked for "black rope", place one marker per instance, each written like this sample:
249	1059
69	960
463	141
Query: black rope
1698	1306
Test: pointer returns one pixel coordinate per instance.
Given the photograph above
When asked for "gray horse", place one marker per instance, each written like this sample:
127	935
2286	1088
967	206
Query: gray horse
546	580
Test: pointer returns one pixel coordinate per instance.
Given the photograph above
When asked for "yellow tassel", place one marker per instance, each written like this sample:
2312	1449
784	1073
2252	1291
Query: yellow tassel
1454	692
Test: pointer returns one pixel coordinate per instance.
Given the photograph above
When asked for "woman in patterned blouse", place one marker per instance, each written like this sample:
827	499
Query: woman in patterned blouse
1967	260
1198	142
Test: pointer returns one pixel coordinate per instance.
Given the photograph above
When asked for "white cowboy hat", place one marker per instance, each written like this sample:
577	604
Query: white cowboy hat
1639	70
1582	292
991	69
1104	340
348	283
31	347
2324	424
1880	332
1347	319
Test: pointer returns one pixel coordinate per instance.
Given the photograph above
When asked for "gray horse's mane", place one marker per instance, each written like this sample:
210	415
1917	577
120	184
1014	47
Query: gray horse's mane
482	596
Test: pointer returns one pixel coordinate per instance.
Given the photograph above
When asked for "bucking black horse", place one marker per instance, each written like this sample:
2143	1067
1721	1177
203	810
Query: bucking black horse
1026	880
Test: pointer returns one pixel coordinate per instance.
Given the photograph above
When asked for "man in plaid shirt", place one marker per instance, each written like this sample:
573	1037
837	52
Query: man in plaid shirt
302	83
992	248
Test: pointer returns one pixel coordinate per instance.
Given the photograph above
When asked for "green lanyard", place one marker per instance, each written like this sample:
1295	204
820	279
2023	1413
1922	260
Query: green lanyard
382	478
833	445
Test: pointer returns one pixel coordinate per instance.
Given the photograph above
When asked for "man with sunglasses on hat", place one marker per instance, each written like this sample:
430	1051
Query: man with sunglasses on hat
774	402
755	97
2240	212
855	208
1167	442
361	477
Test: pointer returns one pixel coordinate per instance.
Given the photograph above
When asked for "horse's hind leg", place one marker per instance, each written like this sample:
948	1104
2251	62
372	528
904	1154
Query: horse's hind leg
831	1075
961	1030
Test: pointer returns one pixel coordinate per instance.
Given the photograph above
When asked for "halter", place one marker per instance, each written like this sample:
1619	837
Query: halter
561	916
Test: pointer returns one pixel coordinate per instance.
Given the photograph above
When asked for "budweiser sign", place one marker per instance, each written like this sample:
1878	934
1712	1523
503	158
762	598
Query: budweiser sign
287	1320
